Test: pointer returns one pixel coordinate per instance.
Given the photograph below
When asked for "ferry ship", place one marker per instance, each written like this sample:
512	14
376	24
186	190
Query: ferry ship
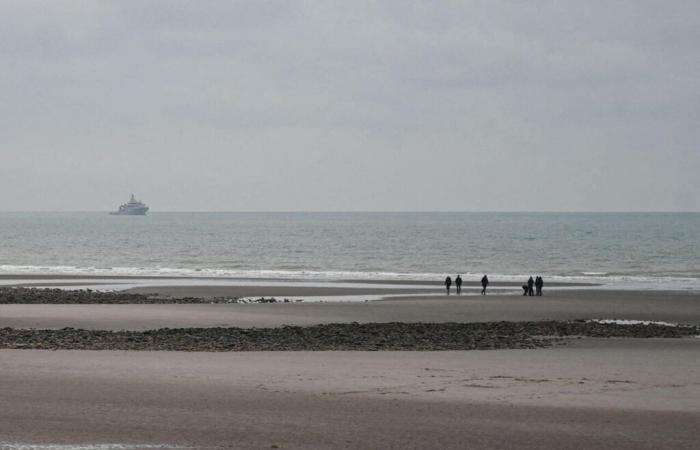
131	208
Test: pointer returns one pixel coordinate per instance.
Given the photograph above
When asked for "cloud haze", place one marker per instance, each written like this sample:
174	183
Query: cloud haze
392	105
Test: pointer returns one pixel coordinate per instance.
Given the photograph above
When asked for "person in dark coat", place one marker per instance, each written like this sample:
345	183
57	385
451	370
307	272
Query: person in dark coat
484	284
525	289
530	284
458	284
448	283
539	282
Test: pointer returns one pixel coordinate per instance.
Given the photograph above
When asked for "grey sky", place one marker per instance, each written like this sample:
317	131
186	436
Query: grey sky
391	105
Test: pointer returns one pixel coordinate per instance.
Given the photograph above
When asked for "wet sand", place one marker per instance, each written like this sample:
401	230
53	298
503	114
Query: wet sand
623	394
555	305
376	288
290	290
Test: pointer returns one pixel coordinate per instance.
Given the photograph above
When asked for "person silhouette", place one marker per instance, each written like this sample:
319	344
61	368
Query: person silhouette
458	284
448	283
539	282
530	283
484	284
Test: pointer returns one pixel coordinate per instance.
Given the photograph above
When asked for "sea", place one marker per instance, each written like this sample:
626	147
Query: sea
617	250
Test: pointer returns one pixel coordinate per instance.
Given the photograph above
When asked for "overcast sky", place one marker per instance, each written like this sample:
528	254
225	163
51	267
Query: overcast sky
350	105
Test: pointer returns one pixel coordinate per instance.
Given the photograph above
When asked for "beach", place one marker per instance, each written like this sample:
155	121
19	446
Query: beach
623	394
576	392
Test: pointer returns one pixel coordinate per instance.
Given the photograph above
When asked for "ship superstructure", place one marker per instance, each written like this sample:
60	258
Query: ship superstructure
131	208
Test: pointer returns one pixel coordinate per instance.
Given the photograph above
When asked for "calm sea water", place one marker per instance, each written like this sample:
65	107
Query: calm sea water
631	247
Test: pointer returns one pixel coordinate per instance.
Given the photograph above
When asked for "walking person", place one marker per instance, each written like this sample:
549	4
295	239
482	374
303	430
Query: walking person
458	284
484	283
448	283
530	284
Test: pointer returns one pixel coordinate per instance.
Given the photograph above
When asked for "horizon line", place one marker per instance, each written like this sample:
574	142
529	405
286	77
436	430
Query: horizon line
373	211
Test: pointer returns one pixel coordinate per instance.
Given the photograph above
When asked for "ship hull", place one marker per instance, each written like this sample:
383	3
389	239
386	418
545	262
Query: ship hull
135	212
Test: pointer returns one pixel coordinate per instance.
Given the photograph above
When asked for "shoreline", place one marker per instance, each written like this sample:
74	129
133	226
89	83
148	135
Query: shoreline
68	279
503	285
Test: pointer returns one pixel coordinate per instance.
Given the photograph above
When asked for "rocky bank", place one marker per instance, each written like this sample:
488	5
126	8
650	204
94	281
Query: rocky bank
352	336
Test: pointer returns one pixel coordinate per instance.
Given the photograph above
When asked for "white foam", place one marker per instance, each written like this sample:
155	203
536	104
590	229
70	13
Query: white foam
634	322
216	273
603	280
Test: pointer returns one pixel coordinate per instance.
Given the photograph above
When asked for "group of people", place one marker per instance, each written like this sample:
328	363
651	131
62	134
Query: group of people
458	284
537	283
532	287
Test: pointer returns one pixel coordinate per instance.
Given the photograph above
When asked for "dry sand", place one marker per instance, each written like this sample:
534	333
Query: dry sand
556	305
620	394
